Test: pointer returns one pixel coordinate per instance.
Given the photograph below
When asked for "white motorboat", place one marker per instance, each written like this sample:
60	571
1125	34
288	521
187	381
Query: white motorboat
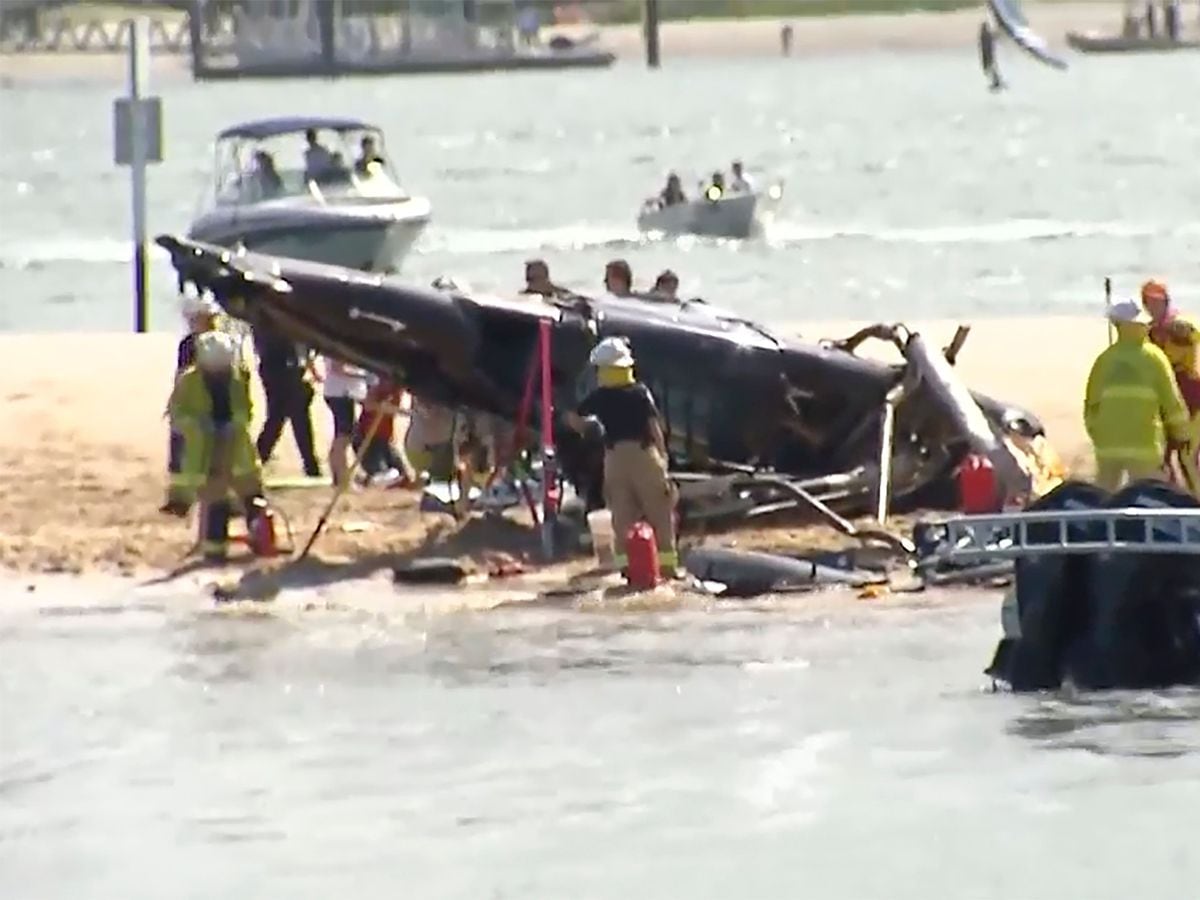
727	215
335	201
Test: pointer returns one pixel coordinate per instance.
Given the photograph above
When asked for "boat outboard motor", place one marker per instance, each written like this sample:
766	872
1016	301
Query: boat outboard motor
1143	630
1103	620
1048	603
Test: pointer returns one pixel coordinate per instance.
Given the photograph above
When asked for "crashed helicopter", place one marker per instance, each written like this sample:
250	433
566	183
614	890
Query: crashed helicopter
756	422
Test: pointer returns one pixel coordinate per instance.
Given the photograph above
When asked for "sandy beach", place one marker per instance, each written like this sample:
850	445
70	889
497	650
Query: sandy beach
83	476
83	452
679	39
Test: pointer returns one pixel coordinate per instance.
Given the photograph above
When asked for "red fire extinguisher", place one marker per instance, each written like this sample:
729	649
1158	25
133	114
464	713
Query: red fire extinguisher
641	548
260	529
978	491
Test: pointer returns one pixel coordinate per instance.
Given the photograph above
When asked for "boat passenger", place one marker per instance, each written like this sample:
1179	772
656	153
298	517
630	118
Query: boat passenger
618	278
369	159
741	182
318	161
338	172
537	280
211	404
266	176
284	373
1132	405
636	483
666	286
673	193
716	186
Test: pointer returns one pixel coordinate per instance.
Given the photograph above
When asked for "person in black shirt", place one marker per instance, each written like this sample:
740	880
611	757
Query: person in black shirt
289	397
636	483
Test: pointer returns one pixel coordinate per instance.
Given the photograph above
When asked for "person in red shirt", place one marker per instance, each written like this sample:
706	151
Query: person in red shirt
380	458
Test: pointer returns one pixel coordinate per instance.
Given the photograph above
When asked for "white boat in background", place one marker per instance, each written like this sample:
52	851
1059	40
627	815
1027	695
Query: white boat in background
351	213
729	215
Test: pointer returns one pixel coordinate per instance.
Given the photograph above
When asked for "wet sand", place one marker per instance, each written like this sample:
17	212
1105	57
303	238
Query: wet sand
83	445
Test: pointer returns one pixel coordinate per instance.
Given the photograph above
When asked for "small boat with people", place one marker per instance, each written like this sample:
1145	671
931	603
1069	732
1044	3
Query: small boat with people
729	210
316	188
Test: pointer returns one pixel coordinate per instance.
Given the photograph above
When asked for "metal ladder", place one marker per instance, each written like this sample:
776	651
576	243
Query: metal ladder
1007	535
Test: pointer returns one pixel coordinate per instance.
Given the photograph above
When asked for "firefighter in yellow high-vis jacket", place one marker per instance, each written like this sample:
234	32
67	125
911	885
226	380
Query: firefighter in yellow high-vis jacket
211	408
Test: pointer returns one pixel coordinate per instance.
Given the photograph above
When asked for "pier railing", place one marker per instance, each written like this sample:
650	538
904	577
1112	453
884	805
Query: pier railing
61	35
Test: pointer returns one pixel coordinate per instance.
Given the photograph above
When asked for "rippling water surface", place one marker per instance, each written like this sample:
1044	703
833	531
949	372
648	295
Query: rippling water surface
908	186
826	748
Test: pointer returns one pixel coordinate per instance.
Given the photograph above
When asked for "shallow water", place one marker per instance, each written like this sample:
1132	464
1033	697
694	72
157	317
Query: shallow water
829	747
909	188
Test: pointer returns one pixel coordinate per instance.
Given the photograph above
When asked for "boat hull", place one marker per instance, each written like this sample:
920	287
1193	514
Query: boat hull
730	217
1095	43
369	237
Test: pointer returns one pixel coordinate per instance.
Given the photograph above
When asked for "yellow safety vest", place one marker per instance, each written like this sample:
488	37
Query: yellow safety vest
191	411
1132	403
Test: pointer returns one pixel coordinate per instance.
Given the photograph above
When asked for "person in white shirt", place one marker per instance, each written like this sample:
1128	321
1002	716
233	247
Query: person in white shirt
740	183
345	387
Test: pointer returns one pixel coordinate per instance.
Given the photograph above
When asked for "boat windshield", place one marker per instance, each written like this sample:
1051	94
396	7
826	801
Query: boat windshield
321	163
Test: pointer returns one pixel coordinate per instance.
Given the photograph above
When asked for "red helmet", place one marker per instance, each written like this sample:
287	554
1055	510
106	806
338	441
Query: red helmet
1154	290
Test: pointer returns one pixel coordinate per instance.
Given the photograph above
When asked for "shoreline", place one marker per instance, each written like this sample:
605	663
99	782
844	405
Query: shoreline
813	35
83	456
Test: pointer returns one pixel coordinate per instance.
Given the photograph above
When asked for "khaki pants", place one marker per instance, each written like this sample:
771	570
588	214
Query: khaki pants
1111	473
636	487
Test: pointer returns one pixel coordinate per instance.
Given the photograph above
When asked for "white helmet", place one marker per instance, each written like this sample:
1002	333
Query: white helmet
215	350
614	352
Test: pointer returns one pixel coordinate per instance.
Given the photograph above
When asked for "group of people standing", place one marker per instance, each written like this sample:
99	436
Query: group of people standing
360	404
215	458
1142	399
1147	21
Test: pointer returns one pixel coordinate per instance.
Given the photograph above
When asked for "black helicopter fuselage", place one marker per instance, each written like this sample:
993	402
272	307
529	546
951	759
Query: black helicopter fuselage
731	393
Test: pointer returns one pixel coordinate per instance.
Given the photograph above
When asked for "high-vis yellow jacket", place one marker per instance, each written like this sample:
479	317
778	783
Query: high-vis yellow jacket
1132	403
191	413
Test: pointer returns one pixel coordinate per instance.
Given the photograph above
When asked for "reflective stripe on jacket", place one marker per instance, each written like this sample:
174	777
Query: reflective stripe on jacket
1132	402
191	415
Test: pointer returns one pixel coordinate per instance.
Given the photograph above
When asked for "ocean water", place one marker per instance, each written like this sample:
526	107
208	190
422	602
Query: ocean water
910	191
828	747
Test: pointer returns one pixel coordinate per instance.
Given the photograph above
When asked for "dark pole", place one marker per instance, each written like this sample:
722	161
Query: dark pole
196	19
650	9
326	18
